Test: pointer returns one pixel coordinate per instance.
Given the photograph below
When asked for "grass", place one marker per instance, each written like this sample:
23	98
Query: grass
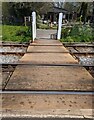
16	33
0	30
45	26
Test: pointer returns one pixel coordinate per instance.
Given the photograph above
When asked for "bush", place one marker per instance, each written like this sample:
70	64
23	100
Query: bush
65	32
77	33
16	33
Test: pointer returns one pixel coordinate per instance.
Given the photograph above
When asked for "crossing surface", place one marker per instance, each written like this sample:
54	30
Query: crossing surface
48	78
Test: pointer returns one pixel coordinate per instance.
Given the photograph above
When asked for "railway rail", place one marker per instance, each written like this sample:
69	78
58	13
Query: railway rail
52	92
22	53
13	45
74	44
78	45
18	63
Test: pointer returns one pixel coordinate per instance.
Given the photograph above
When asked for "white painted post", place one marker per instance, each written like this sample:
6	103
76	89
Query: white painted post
33	25
25	21
59	26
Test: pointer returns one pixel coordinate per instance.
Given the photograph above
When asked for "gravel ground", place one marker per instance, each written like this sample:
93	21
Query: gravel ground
12	49
11	58
14	58
86	60
87	49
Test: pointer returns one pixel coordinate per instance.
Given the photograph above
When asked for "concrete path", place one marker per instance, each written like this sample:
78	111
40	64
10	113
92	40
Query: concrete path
45	34
27	77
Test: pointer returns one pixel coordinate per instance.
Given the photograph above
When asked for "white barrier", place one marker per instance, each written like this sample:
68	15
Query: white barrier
59	26
33	25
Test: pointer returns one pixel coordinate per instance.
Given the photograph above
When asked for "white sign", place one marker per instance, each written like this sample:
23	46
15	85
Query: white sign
33	25
59	26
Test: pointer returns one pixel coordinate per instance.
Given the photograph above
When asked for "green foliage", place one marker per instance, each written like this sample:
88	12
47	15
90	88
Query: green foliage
15	33
65	32
0	30
42	26
77	33
14	12
45	26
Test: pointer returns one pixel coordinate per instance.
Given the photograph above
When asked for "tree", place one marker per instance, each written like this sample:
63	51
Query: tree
83	11
20	9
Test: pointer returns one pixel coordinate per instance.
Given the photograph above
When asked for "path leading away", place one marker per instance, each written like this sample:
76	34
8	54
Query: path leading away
45	34
46	74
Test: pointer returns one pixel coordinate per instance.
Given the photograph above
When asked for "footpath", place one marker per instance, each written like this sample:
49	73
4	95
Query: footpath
52	88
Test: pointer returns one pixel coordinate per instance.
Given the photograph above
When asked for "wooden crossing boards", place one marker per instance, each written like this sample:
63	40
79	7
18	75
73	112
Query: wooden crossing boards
53	78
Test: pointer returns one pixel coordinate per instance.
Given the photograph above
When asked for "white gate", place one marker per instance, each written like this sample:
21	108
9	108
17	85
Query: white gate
33	25
59	26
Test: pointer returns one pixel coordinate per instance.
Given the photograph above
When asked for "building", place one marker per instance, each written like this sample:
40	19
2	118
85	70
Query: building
53	14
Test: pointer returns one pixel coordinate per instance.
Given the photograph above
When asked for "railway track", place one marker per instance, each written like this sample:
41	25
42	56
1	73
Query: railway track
64	98
74	53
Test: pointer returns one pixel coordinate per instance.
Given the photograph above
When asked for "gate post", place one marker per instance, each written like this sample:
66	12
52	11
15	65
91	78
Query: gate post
33	25
59	26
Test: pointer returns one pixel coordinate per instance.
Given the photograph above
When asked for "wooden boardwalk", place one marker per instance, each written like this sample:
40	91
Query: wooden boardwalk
41	77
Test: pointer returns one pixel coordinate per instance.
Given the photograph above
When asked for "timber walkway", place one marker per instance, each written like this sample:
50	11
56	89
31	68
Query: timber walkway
45	89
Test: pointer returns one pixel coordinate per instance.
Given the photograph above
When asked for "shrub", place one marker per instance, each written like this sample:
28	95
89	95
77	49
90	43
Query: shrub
65	32
16	33
77	33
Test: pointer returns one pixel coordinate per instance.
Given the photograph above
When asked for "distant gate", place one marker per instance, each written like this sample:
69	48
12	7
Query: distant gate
34	26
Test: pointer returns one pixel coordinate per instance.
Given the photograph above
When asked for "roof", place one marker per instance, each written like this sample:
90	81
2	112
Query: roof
54	9
57	10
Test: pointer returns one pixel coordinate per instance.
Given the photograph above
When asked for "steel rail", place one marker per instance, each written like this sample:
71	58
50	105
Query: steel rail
48	92
78	45
81	52
32	64
78	42
92	46
12	53
5	53
14	45
45	45
65	44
